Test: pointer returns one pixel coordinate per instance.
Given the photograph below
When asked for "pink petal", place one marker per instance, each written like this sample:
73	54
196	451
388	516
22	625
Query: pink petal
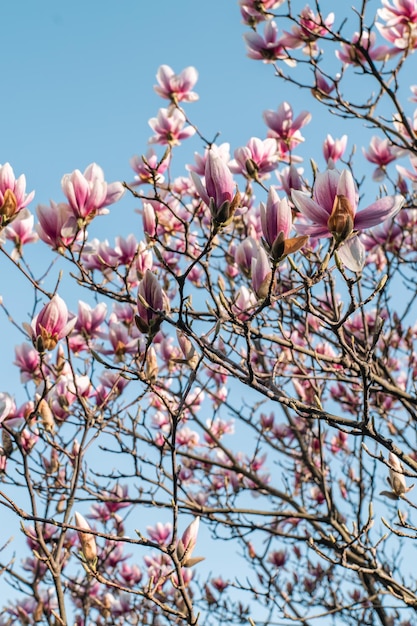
325	189
352	254
378	212
309	208
346	187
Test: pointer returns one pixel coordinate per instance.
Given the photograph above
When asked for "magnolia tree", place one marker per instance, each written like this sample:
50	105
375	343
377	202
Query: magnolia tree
245	364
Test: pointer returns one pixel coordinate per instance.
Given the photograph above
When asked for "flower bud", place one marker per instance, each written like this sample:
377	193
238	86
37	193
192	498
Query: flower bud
187	544
342	219
46	415
87	540
152	304
9	207
50	325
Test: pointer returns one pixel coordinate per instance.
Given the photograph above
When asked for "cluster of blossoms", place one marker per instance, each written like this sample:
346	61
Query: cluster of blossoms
268	316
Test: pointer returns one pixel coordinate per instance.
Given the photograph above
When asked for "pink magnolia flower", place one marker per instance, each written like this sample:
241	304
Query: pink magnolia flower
223	150
277	558
20	231
254	11
290	178
99	255
13	197
176	87
243	305
309	28
152	304
244	253
350	54
284	127
131	576
268	48
89	193
403	36
332	213
401	11
380	152
28	361
57	226
121	340
89	320
334	148
219	191
160	533
169	127
400	26
276	221
149	168
323	87
256	159
187	543
50	325
261	273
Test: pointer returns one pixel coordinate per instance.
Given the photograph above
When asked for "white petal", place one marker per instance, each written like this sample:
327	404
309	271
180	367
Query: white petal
352	254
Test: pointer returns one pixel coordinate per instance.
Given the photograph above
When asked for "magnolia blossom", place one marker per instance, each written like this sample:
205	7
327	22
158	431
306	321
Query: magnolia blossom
28	360
276	221
89	320
50	325
89	193
290	178
20	231
199	167
57	225
13	197
152	304
284	127
176	87
256	159
268	48
258	10
149	168
261	274
400	26
244	253
334	148
169	127
399	12
309	28
380	152
332	213
350	53
160	533
219	191
187	543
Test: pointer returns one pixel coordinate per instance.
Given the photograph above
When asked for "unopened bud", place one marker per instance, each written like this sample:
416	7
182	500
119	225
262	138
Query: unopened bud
151	365
8	208
187	544
47	417
87	540
341	220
